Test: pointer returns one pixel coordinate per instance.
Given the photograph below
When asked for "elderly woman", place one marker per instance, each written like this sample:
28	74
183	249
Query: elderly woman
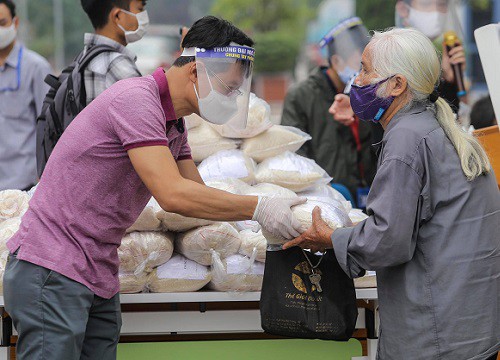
433	232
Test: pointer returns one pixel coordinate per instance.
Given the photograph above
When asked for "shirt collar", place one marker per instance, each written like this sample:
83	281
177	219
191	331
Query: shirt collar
166	100
415	109
91	39
13	58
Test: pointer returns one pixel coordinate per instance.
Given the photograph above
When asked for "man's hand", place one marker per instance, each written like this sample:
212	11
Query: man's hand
275	215
341	110
317	237
455	56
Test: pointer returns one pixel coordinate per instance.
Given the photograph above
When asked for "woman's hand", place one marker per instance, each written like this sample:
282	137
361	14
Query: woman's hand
317	237
455	56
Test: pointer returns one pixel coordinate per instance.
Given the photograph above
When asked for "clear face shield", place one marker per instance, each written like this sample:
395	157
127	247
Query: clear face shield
345	43
431	17
224	81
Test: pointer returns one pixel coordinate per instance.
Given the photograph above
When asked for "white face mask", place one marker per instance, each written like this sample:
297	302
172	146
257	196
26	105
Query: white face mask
216	108
429	23
142	28
7	35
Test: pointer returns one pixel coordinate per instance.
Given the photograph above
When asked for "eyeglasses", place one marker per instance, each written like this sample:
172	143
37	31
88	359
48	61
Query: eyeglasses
229	92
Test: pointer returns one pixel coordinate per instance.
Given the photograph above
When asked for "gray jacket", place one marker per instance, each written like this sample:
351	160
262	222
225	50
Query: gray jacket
434	239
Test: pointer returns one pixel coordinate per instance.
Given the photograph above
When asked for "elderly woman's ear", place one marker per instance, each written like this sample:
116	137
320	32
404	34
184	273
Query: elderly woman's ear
398	85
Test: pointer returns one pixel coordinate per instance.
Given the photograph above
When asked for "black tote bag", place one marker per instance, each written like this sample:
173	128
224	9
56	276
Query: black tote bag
290	305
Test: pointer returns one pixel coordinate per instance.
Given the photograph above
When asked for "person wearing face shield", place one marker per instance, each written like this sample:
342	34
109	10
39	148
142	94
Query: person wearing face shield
22	91
341	148
116	23
61	280
434	212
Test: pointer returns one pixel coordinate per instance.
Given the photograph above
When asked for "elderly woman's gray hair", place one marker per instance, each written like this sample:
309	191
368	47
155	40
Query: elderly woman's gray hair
411	54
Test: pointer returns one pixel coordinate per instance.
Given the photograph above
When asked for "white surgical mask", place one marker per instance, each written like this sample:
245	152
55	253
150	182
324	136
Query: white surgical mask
347	74
429	23
216	108
7	35
142	28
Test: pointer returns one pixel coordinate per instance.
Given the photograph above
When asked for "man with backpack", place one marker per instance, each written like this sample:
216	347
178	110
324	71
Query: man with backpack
21	95
103	61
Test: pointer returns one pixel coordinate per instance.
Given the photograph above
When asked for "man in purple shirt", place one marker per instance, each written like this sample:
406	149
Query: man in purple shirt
61	281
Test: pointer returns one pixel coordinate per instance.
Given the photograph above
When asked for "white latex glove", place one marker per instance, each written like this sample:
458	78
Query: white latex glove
275	215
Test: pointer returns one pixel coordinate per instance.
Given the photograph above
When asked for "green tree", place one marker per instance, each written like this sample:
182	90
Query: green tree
277	26
376	14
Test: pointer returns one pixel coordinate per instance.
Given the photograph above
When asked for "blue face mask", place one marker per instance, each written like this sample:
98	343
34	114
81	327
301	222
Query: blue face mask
347	74
366	104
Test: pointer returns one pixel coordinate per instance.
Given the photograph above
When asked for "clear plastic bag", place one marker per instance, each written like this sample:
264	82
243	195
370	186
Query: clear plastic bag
259	114
234	186
326	193
271	190
357	216
192	121
131	283
179	274
253	244
143	251
178	223
228	164
198	244
291	171
147	220
274	142
13	203
236	273
333	213
205	141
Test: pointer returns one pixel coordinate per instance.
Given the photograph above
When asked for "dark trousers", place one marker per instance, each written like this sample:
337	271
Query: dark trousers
58	318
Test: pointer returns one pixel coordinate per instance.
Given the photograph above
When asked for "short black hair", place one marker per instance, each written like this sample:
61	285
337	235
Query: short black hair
98	10
11	6
482	114
210	32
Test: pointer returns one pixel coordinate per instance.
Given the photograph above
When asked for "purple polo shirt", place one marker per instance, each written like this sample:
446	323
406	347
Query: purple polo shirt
89	192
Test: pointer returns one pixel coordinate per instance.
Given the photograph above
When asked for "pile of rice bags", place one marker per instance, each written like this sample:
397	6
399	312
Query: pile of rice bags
253	245
148	220
131	283
199	244
179	274
143	251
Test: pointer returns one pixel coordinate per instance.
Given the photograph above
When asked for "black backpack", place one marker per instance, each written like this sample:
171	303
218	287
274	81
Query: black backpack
64	101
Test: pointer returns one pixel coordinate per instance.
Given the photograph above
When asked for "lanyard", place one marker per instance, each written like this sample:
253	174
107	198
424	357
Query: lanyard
19	58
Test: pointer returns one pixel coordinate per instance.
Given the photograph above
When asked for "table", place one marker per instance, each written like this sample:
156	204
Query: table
202	315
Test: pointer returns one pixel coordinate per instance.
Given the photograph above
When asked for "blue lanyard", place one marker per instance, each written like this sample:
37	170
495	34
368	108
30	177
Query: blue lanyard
19	58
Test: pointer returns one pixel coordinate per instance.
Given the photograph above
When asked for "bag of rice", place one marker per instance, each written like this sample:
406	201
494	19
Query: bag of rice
7	229
333	213
13	203
143	251
226	164
274	142
148	220
357	215
205	141
234	186
253	244
179	274
3	262
291	171
271	190
259	114
131	283
178	223
192	121
326	193
198	244
236	273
